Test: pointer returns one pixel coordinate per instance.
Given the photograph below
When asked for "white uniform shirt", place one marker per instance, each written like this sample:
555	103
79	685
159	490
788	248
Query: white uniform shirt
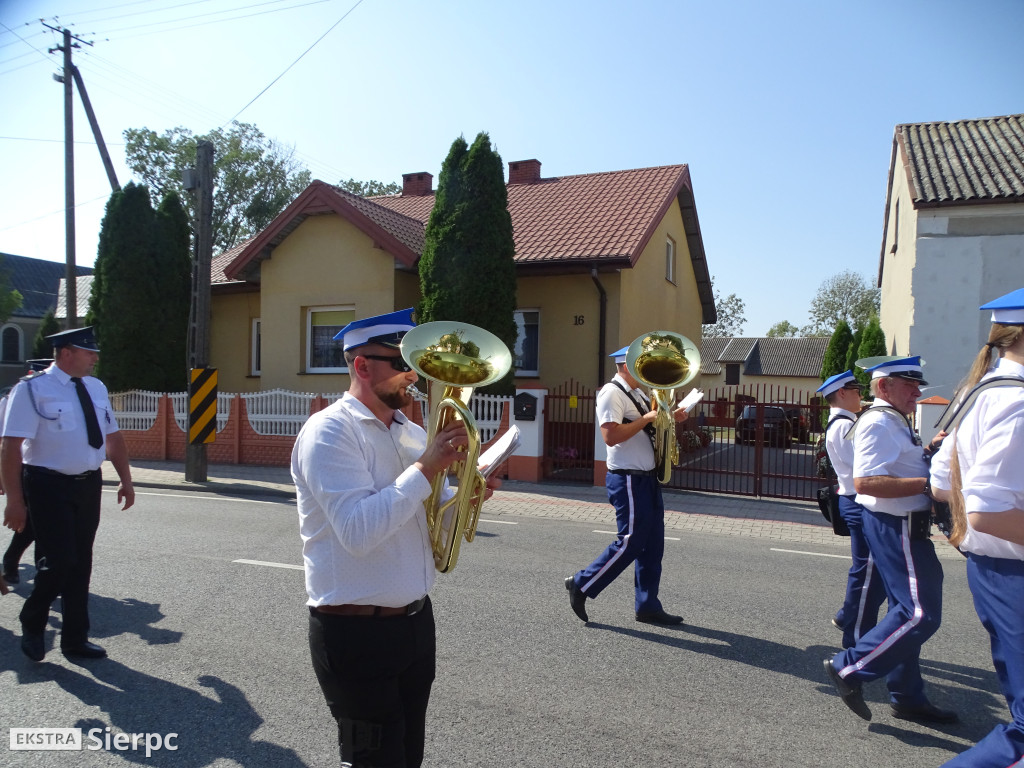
54	428
883	446
840	450
990	449
612	407
361	517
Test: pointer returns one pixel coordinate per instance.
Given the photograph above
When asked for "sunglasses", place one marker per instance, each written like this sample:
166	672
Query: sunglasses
397	361
857	387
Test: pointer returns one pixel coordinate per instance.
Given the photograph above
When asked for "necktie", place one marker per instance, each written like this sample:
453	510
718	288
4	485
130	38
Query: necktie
92	424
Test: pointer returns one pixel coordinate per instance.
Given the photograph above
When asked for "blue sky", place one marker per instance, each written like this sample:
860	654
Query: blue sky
784	111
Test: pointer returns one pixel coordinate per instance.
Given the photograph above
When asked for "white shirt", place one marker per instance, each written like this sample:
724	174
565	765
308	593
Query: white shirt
990	449
612	407
840	450
883	446
54	428
361	516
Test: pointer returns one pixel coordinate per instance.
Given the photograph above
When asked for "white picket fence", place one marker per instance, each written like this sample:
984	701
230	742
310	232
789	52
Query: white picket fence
274	412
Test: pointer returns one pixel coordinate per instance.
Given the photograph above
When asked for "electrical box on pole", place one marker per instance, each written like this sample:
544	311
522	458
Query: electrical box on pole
199	316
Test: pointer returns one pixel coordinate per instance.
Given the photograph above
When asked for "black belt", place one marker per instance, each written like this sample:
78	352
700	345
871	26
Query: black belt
374	611
55	473
638	472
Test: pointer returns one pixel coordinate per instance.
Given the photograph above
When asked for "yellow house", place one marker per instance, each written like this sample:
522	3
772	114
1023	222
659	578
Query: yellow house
600	259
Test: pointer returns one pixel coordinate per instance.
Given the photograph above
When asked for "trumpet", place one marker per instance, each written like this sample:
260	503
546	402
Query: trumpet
663	361
454	358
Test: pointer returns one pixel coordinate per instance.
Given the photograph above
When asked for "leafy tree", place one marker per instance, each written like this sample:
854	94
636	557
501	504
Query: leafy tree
731	316
370	188
846	296
782	329
835	353
41	346
254	177
467	271
140	292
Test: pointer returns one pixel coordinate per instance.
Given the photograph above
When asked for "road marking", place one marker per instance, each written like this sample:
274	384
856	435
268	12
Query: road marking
616	533
816	554
214	497
498	522
271	565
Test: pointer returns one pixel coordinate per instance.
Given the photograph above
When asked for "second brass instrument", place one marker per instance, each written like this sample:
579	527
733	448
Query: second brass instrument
454	358
663	361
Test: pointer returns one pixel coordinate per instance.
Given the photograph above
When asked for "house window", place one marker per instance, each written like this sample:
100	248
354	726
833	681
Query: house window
11	344
896	229
670	260
255	353
527	351
323	353
732	373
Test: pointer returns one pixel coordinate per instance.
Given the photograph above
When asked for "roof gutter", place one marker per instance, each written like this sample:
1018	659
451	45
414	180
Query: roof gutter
603	315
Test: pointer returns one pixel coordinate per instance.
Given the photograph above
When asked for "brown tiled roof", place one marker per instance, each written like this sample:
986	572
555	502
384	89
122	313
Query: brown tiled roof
790	356
967	161
221	260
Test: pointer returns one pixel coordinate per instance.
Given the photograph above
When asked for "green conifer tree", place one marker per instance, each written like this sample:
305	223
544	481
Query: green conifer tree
852	356
872	343
41	346
467	272
835	353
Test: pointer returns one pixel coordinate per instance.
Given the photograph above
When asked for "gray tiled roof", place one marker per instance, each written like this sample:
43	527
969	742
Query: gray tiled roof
790	356
964	161
37	280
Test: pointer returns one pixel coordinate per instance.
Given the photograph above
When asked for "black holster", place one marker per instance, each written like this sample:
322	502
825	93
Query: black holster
920	524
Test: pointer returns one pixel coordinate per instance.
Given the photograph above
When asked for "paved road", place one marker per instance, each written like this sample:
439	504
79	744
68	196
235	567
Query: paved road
199	598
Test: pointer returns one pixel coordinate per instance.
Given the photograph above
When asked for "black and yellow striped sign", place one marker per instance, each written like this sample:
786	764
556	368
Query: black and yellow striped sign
202	406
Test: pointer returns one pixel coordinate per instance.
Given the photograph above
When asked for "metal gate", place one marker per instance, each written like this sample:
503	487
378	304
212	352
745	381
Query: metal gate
759	440
569	433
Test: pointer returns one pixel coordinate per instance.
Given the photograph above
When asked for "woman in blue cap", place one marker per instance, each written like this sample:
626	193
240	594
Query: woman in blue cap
979	472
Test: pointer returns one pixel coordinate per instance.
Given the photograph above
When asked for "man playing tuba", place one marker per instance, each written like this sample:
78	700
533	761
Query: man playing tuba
362	471
626	419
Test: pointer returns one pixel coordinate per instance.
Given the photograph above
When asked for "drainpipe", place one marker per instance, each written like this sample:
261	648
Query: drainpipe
601	342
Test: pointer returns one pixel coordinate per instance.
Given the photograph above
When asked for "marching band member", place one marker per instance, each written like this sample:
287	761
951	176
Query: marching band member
979	473
890	475
864	591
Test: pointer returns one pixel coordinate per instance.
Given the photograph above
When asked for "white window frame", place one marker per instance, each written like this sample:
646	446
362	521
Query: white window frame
521	339
255	361
670	259
309	338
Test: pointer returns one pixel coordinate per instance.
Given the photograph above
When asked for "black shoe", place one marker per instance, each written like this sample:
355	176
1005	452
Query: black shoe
851	695
83	650
577	600
32	645
659	617
11	574
923	713
837	625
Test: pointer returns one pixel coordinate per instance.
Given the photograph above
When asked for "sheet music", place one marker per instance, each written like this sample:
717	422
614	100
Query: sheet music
498	453
691	399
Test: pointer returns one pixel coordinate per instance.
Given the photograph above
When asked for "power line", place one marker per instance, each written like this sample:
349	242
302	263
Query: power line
51	141
165	24
358	3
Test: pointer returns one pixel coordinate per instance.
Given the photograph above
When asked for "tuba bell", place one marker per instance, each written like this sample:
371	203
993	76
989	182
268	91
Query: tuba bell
663	361
454	358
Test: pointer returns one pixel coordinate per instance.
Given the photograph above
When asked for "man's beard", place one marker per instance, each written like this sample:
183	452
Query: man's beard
396	400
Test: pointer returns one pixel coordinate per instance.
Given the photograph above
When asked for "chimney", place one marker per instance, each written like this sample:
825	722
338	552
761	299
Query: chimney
524	172
417	183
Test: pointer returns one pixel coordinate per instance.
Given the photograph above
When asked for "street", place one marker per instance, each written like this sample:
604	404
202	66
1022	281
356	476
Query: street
199	600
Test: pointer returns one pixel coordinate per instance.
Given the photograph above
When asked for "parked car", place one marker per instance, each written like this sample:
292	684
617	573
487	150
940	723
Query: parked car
799	421
777	428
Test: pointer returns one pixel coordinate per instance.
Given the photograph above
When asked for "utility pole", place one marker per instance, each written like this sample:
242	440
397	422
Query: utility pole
201	182
71	73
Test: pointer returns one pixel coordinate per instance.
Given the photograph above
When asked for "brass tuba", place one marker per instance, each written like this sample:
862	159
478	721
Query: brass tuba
663	361
454	358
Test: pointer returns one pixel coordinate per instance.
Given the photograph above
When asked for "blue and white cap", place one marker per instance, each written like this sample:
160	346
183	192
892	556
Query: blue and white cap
387	330
83	338
1008	309
620	355
837	382
900	368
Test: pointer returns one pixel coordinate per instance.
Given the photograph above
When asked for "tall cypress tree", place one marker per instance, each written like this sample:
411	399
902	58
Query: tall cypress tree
853	355
467	272
41	346
174	266
835	353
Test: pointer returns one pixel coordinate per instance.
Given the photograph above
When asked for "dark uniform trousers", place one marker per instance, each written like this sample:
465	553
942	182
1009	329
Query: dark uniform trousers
376	674
65	513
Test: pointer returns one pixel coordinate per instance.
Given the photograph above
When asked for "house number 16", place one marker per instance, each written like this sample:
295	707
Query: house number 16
577	320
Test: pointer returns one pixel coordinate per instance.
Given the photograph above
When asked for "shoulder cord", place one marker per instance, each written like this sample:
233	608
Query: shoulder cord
648	428
913	435
949	421
32	398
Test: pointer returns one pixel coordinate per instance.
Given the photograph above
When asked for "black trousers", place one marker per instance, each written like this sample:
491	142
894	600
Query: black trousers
376	675
65	515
